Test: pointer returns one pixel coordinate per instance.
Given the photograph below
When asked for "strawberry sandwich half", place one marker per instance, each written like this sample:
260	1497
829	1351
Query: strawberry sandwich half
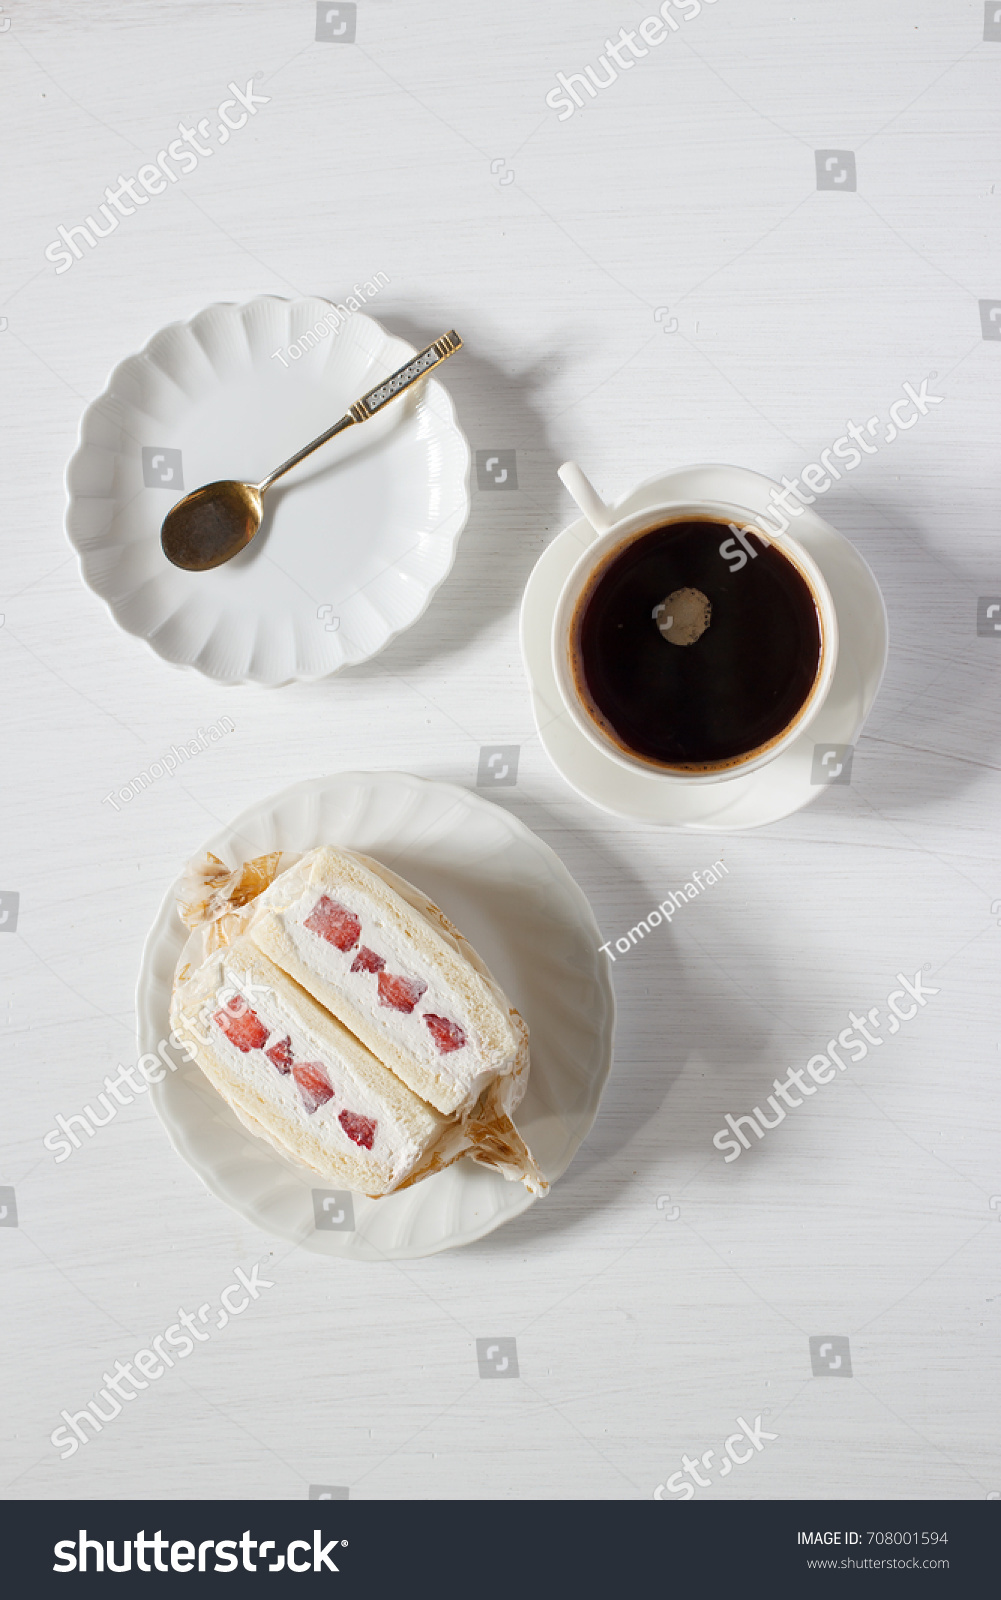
348	1023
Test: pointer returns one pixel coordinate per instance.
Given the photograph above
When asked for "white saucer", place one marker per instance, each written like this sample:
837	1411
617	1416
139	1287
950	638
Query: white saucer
519	907
354	542
760	797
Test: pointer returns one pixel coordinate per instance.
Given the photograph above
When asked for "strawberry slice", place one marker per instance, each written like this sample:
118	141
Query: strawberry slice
402	994
241	1026
314	1085
367	961
360	1129
280	1056
448	1036
335	923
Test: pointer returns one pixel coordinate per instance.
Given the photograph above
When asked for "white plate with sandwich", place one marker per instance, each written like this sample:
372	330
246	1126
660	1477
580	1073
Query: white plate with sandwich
353	1072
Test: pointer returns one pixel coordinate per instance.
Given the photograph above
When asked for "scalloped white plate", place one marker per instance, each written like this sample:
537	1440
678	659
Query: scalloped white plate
517	904
354	542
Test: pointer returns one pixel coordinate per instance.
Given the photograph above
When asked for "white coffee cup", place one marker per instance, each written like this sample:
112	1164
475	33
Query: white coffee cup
612	534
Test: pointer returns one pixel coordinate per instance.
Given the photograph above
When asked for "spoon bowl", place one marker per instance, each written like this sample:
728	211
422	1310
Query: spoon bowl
211	525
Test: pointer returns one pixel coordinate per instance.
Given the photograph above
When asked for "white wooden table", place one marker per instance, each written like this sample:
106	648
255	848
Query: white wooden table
652	280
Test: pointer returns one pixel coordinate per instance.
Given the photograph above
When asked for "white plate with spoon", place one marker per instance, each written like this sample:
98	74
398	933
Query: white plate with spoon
354	542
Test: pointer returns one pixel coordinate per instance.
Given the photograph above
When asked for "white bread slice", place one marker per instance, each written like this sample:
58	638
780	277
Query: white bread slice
384	960
495	1140
321	1098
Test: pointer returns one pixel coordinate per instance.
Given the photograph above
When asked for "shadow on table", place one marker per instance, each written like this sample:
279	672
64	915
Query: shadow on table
507	528
936	723
716	1030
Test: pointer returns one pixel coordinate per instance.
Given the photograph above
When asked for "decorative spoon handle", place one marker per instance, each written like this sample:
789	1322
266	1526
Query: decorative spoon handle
410	373
415	368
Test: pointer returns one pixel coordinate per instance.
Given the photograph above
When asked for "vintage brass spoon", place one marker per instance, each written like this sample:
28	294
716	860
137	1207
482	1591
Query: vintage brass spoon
213	524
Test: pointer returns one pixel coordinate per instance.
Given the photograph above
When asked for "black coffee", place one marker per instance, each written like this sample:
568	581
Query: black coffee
741	653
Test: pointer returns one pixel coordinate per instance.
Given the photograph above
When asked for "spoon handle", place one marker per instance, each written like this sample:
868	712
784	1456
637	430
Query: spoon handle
410	373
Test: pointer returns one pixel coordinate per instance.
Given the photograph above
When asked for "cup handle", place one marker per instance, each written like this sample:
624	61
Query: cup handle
586	497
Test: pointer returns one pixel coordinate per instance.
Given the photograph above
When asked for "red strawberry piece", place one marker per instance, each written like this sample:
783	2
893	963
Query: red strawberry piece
360	1129
314	1085
402	994
367	961
280	1056
241	1026
448	1036
335	923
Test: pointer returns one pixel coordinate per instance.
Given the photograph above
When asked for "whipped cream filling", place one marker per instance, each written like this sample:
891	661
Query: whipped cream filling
238	998
465	1065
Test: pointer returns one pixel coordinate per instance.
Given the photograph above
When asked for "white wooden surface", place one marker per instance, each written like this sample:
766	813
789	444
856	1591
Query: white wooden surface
690	184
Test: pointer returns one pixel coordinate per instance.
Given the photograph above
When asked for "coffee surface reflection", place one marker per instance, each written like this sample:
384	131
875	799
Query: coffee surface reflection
713	685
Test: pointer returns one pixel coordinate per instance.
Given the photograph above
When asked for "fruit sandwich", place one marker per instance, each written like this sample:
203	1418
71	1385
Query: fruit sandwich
347	1022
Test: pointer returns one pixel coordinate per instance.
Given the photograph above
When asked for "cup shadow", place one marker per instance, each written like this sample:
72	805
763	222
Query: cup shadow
936	723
